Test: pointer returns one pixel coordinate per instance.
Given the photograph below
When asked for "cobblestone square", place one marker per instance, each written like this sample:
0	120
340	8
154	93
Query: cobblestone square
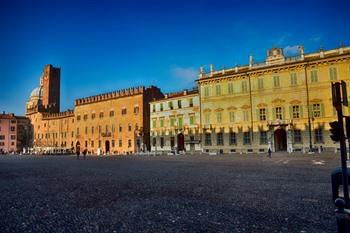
192	193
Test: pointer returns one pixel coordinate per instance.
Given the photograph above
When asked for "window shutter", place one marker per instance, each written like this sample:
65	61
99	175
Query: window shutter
267	114
273	114
322	109
290	112
257	115
301	111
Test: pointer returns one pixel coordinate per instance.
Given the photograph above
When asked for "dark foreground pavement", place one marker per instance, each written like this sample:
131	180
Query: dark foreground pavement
236	193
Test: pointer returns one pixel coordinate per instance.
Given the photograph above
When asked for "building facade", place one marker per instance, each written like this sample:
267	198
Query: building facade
15	133
284	103
116	122
175	122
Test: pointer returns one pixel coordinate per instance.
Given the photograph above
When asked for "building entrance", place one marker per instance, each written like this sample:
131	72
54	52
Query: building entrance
107	146
180	142
77	147
280	137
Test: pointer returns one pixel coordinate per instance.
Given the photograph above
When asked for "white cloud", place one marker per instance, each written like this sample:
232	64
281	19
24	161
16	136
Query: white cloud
186	75
291	50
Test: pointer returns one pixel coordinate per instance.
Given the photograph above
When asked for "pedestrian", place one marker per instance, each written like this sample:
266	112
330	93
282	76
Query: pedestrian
84	153
269	152
78	153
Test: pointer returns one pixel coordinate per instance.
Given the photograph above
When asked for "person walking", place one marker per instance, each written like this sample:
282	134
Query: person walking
78	153
269	152
84	153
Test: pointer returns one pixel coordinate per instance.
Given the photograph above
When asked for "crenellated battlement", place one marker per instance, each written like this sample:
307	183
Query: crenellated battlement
50	116
110	95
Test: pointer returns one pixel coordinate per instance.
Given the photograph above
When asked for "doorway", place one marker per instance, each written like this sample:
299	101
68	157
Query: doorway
77	146
180	142
107	147
280	137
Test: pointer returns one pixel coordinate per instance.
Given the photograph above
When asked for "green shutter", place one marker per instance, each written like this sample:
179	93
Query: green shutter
322	109
267	114
257	115
301	111
273	114
290	112
283	113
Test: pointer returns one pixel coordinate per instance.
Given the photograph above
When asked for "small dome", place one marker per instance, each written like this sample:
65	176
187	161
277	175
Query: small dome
37	92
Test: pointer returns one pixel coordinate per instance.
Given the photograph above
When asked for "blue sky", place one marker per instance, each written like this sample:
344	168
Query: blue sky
103	46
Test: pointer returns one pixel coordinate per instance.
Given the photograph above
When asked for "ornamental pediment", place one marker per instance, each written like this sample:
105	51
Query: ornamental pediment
295	102
219	110
316	100
231	108
261	105
207	110
278	101
245	106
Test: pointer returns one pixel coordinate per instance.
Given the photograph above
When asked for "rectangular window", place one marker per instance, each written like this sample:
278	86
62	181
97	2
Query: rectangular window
93	115
180	122
101	115
179	105
129	143
276	81
172	122
86	129
316	110
161	107
218	90
245	116
263	137
154	123
232	138
113	143
230	88
191	120
162	122
13	128
136	110
153	107
314	76
13	137
207	118
78	119
92	143
295	111
260	83
246	138
120	128
161	142
206	91
120	143
207	140
262	114
293	79
244	86
190	102
129	127
232	116
218	117
219	139
278	112
297	136
111	113
333	73
92	129
318	135
170	104
85	117
124	111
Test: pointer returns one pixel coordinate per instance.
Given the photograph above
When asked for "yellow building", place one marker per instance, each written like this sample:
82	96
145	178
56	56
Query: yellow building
283	103
112	123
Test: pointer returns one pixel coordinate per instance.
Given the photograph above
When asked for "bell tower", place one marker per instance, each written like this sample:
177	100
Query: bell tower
51	88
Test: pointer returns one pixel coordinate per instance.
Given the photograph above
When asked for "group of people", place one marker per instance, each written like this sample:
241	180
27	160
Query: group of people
84	153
